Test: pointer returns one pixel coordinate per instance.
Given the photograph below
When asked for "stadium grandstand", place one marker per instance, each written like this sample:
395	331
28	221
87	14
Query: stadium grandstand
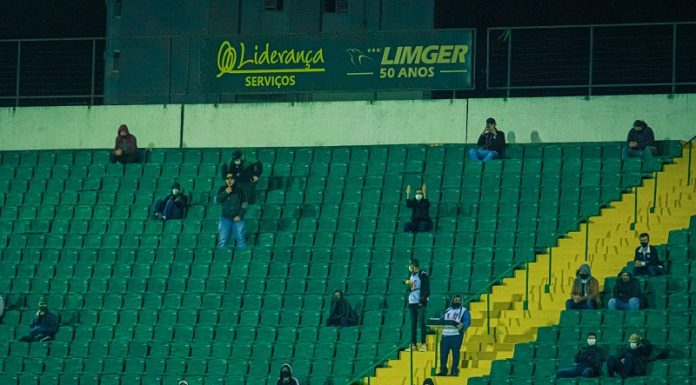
343	108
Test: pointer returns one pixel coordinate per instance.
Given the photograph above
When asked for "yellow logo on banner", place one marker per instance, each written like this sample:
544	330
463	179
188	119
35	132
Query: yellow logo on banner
229	61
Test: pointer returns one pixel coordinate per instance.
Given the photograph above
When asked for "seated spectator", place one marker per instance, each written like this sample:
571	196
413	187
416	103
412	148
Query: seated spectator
126	147
420	211
646	259
173	206
588	361
491	143
626	292
286	377
246	173
640	142
342	314
630	361
233	206
44	326
585	292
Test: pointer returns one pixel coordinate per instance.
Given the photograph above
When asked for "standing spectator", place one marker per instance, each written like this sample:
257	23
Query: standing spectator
420	211
246	173
626	292
286	377
342	314
233	205
585	292
453	336
646	259
588	361
418	284
631	360
173	206
640	142
491	143
126	147
44	325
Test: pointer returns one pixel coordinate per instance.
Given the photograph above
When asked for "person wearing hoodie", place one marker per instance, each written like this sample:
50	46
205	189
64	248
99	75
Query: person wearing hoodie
342	314
418	283
640	142
173	206
588	361
420	206
630	361
646	260
585	292
126	147
286	377
233	205
626	292
246	173
453	336
44	325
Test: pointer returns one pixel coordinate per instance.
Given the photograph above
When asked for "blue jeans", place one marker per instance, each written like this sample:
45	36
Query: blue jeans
226	227
417	227
447	344
576	370
482	154
169	211
629	368
647	270
646	153
589	304
617	304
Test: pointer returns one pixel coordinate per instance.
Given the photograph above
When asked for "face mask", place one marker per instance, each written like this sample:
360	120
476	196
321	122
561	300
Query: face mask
285	374
583	276
175	192
419	197
644	244
456	305
238	162
591	341
633	345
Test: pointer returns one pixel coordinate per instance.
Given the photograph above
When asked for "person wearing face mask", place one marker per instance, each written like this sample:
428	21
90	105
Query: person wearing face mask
585	292
126	147
491	143
640	142
233	206
286	377
173	206
44	325
588	361
630	361
626	292
420	211
453	336
246	173
342	314
646	259
418	284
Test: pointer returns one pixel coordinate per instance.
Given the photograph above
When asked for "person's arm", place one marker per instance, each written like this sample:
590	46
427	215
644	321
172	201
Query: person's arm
635	288
466	321
500	143
424	288
615	290
135	143
592	289
655	257
51	324
221	195
243	204
482	139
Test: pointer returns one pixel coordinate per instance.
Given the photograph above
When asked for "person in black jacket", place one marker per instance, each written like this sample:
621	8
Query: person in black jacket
342	314
631	360
246	173
418	284
491	143
626	292
286	377
420	207
44	326
646	260
588	360
173	206
640	142
233	205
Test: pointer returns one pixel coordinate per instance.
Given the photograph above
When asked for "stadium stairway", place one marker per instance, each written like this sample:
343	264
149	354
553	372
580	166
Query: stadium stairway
610	239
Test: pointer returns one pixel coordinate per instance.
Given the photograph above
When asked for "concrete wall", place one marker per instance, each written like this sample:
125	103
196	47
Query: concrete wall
31	128
525	120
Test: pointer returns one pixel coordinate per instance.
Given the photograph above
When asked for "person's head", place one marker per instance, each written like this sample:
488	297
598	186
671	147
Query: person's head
122	130
638	125
591	339
237	157
419	194
644	239
490	123
413	265
176	188
583	272
338	294
625	275
285	372
43	306
229	179
635	340
457	301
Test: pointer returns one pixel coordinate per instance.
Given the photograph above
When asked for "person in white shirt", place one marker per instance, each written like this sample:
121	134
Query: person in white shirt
453	336
418	284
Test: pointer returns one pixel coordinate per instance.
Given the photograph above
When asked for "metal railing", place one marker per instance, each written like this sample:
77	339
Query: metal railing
656	56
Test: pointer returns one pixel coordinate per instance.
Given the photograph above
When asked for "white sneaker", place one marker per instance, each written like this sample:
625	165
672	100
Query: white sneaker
423	348
412	348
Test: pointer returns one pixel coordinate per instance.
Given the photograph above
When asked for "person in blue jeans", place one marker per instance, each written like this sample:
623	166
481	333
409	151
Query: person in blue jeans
632	360
640	142
588	361
491	143
453	336
233	205
626	292
173	206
